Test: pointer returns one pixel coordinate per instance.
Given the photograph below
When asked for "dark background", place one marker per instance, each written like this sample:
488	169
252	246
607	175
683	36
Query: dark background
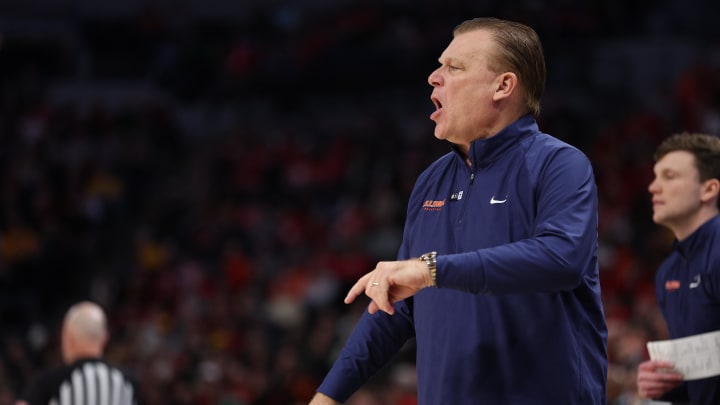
217	173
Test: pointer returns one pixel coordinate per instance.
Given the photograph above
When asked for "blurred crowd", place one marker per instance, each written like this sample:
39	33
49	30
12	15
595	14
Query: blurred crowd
218	181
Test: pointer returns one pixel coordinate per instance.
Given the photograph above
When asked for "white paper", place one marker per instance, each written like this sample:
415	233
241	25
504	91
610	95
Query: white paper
696	356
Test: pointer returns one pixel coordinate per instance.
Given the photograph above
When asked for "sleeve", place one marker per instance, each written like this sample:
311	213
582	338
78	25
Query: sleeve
677	395
374	341
562	249
372	344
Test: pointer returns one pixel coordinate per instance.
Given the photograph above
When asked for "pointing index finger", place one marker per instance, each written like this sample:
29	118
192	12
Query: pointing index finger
356	289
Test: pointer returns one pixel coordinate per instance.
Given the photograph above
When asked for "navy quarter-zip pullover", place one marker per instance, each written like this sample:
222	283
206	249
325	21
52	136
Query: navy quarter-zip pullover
517	316
687	285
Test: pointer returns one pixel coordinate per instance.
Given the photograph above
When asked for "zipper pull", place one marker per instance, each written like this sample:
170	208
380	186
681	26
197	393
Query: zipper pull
472	177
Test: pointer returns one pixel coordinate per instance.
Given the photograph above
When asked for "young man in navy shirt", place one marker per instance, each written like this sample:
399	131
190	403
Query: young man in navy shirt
685	200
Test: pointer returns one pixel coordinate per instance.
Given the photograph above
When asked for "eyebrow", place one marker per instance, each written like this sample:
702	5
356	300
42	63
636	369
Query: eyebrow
666	170
450	61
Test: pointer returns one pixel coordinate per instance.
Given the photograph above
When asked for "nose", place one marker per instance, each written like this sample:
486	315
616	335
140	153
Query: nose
435	79
653	187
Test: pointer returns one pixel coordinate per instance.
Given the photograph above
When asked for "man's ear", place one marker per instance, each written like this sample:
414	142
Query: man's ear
710	190
506	85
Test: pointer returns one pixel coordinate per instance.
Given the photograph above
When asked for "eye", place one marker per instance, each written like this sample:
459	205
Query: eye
453	67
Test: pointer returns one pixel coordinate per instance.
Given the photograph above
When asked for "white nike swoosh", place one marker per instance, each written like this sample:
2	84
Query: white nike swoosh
494	201
696	282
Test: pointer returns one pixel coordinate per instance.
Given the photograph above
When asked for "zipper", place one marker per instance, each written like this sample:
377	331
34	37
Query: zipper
466	198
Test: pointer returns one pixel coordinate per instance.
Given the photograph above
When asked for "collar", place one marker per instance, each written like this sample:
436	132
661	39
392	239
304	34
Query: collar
82	360
697	239
484	151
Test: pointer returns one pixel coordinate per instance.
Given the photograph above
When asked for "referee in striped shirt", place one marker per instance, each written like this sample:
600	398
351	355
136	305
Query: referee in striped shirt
85	379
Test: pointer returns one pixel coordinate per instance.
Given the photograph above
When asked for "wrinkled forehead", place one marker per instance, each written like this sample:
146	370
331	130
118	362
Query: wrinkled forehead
470	46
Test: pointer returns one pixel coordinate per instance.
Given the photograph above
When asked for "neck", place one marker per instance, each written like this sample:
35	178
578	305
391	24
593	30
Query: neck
688	227
84	353
503	121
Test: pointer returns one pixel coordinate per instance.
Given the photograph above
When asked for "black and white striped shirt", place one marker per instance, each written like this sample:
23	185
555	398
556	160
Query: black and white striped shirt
84	382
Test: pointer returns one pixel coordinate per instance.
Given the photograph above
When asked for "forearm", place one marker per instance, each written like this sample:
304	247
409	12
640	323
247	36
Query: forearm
525	266
374	341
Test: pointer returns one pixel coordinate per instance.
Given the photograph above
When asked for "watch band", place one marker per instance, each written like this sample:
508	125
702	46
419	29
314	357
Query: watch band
430	259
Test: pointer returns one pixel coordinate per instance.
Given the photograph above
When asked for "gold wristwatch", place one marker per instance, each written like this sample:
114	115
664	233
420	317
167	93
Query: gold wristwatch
431	260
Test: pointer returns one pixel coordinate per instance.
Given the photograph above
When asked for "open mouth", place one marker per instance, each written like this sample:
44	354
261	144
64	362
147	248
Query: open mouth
438	104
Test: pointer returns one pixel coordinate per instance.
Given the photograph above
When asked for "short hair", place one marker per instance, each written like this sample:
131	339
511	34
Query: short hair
519	51
705	148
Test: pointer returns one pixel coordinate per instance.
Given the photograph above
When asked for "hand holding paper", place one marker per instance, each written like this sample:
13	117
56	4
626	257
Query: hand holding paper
695	357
